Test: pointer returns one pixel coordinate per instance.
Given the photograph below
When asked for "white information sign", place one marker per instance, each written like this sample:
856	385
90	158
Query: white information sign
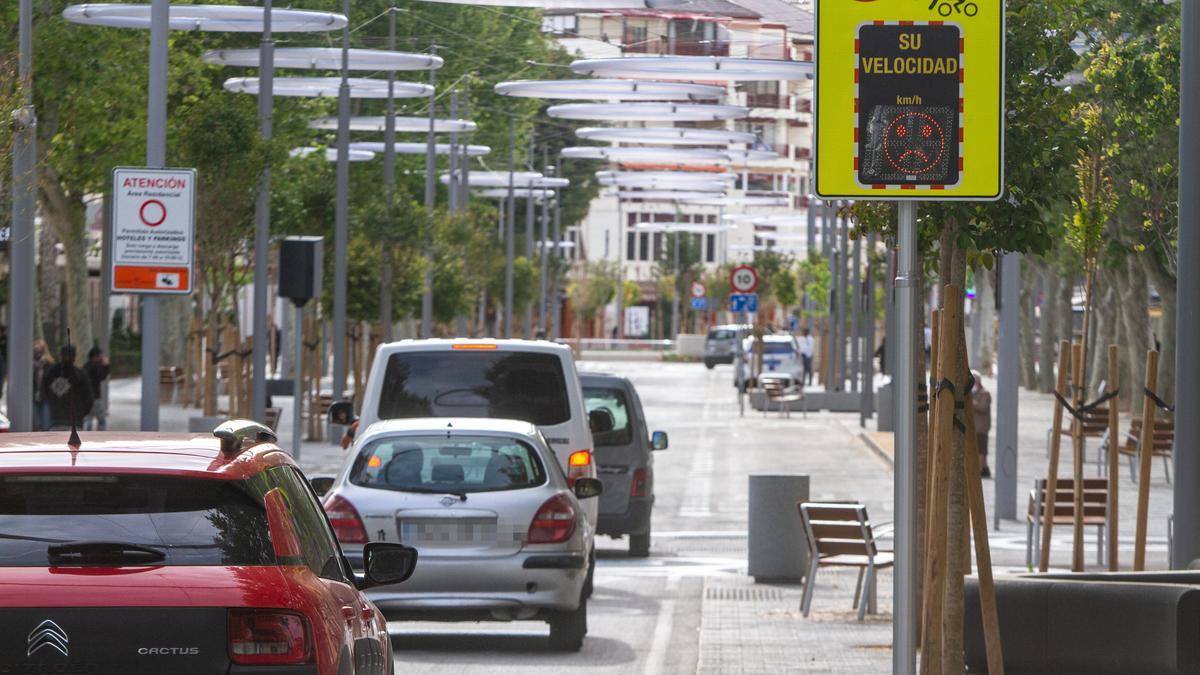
154	224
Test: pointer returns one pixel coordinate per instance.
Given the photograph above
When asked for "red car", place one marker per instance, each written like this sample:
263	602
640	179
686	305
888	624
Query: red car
169	553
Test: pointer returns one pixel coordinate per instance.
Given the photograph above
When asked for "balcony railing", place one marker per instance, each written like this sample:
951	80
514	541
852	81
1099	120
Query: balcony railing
766	100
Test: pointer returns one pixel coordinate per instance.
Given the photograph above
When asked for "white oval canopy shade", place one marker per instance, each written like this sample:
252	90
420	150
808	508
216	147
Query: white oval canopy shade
750	200
615	90
517	193
668	195
326	58
500	179
419	148
782	221
551	4
744	156
665	135
707	68
681	176
776	236
656	155
220	18
360	87
682	227
647	112
331	154
403	124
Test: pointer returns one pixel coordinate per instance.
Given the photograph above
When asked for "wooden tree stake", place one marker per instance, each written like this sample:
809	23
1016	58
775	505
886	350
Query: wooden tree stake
1077	447
1145	454
1064	353
1114	417
933	644
983	552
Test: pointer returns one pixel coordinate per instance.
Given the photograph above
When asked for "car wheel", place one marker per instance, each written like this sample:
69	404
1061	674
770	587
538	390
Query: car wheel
639	545
567	628
709	365
588	585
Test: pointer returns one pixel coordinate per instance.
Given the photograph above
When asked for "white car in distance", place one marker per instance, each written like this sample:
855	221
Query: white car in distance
500	534
781	360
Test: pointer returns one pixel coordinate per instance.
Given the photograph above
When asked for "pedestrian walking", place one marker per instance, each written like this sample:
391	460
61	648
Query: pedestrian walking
67	391
807	346
881	354
97	370
41	363
981	400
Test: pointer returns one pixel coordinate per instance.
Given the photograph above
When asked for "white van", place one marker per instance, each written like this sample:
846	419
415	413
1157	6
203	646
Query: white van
532	381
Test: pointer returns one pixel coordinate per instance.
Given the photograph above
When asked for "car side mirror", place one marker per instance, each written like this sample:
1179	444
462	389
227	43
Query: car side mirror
658	440
321	484
601	421
586	488
387	563
342	413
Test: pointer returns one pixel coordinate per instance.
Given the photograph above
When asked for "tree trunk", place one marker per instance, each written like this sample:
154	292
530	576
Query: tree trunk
1051	285
1105	311
63	221
1065	330
1164	282
985	306
175	314
1027	300
1132	291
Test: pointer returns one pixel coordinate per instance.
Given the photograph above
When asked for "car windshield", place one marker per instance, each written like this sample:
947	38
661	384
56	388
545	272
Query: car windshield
452	465
189	521
527	386
612	400
720	334
778	348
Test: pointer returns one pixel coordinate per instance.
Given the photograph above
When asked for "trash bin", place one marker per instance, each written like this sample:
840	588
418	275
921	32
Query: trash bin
776	543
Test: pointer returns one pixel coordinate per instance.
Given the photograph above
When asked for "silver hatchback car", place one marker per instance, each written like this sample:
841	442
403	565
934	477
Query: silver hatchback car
501	533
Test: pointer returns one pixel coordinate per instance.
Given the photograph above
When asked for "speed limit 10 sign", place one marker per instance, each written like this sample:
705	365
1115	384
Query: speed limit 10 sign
743	279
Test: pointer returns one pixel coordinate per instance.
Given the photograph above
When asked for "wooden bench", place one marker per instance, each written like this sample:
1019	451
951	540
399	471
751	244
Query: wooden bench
271	417
840	535
778	391
169	380
1095	425
1164	444
1095	512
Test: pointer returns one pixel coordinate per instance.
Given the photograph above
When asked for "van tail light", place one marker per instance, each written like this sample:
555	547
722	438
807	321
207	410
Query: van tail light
640	487
579	465
554	521
268	637
345	521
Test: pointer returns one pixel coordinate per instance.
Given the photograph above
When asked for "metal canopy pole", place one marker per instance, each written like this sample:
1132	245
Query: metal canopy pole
905	487
621	239
341	222
24	204
1187	289
1007	367
543	257
856	315
866	364
510	215
156	157
389	189
555	301
452	186
430	200
262	222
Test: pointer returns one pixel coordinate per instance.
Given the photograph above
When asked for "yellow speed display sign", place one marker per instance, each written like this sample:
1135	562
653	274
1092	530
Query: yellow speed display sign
910	99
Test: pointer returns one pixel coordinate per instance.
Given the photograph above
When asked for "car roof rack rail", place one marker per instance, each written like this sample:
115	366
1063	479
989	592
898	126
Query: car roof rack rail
238	434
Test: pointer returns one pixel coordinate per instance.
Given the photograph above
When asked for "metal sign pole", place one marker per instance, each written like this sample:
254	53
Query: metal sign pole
1008	362
156	155
262	223
430	201
904	620
20	241
297	384
510	215
389	188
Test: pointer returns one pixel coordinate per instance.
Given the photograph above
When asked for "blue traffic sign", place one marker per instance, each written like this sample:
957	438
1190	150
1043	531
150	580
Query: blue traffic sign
699	303
743	302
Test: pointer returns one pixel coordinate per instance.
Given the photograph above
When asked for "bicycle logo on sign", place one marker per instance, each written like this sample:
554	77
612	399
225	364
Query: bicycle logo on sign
948	7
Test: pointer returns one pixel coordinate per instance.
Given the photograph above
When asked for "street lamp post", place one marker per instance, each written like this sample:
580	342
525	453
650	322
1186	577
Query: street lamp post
430	200
156	156
262	224
341	218
389	190
24	203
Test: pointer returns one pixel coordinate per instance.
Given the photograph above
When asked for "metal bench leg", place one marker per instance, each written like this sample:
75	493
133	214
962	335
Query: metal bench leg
862	606
1028	543
806	599
1167	468
1133	468
1100	545
858	587
874	584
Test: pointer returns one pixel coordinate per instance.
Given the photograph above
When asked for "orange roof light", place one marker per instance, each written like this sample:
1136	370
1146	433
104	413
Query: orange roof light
580	458
473	345
374	462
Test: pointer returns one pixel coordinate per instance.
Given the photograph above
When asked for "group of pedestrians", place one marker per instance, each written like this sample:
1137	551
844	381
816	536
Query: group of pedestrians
66	395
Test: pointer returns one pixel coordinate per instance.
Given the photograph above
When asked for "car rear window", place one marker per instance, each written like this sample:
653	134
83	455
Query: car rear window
776	347
720	334
439	464
612	400
192	521
527	386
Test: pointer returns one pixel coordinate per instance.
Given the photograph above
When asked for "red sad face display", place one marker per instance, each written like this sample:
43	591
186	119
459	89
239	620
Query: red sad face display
914	143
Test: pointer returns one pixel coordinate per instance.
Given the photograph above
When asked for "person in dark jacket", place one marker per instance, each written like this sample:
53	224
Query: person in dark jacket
67	391
981	401
97	370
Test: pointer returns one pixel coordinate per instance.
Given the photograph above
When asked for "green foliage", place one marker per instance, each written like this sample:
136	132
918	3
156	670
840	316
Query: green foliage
815	282
595	287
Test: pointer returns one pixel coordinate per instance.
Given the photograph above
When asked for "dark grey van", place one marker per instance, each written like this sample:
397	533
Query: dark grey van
623	458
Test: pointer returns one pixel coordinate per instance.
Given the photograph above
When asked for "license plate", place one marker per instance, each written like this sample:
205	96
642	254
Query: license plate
448	531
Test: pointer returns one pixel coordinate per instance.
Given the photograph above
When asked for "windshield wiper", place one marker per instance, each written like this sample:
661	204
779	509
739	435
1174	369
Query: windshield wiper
103	553
462	496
